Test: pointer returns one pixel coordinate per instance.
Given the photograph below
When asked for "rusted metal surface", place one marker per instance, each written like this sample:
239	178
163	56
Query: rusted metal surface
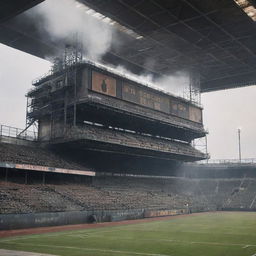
179	109
146	113
195	114
148	99
103	84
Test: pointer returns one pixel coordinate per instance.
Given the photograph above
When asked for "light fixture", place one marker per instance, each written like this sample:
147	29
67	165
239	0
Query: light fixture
108	20
247	7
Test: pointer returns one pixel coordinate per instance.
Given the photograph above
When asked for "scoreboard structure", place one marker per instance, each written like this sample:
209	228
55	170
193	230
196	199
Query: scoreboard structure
102	113
144	96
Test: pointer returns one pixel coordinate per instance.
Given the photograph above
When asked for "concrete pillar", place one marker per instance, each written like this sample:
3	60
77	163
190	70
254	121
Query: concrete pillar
43	178
6	175
26	177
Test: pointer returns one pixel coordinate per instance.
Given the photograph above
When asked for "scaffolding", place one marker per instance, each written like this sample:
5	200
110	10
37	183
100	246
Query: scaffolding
193	92
56	98
202	145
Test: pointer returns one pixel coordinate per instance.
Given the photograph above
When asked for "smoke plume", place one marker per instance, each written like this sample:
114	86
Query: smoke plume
63	20
67	19
176	83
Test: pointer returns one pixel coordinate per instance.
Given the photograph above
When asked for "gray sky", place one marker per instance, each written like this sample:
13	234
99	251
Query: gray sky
224	111
17	70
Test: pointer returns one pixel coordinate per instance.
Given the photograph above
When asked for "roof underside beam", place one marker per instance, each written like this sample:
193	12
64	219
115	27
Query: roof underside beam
215	38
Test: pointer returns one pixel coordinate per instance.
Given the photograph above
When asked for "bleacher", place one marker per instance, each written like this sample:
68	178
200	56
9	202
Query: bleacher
19	154
129	139
122	192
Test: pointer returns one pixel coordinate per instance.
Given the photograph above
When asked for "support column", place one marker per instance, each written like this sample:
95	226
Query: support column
43	178
26	178
6	175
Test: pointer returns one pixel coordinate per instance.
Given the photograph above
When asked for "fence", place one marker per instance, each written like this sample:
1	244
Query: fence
31	220
14	132
226	162
234	161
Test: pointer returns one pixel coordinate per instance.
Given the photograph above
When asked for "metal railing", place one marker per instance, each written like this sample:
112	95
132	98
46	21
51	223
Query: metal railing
229	161
9	131
235	161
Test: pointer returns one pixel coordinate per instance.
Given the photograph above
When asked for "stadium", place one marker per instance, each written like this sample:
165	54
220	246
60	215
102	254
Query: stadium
108	162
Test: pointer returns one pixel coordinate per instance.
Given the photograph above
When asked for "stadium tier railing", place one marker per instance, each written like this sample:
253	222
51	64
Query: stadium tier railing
9	131
226	162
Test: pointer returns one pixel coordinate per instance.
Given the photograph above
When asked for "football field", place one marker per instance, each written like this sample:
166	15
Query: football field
209	234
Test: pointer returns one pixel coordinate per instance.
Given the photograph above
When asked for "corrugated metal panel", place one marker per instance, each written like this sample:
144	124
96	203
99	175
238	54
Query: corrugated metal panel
103	84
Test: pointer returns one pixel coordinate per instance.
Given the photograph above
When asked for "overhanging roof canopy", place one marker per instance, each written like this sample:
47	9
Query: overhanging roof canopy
11	8
217	38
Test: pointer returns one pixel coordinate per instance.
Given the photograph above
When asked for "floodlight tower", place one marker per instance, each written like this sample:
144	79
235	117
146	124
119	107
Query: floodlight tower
239	143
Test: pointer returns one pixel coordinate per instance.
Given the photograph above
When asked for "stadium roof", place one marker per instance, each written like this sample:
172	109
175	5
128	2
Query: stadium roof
216	38
11	8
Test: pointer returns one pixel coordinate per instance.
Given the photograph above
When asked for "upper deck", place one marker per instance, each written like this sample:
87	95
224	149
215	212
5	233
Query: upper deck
116	99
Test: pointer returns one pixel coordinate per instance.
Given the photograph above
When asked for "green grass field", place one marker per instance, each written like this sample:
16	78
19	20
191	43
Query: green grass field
210	234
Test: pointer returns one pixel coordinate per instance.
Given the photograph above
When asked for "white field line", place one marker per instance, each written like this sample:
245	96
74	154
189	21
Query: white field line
226	233
165	240
85	234
98	232
4	252
75	233
93	249
244	246
248	245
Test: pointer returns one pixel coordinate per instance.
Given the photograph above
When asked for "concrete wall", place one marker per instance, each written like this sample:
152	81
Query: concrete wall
17	221
217	171
17	141
44	130
29	220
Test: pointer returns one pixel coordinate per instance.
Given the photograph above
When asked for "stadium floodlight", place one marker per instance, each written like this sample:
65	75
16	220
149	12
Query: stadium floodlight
247	7
108	20
239	143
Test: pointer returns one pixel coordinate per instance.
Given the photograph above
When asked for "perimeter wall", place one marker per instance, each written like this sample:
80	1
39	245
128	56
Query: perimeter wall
31	220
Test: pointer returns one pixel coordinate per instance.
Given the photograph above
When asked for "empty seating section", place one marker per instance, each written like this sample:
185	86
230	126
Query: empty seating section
127	192
138	110
34	156
132	140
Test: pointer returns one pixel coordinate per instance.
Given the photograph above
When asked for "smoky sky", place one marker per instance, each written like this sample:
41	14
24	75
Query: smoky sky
224	111
68	20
